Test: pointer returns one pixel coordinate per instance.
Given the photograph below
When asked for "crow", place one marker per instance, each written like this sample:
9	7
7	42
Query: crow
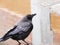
21	30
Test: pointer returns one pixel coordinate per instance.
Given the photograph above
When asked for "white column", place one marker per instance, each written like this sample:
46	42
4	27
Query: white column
36	33
47	34
41	34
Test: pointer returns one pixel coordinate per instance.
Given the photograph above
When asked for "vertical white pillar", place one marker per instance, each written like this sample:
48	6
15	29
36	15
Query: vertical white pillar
41	34
36	33
47	34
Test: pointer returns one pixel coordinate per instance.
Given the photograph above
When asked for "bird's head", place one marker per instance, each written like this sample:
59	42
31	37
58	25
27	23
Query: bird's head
30	16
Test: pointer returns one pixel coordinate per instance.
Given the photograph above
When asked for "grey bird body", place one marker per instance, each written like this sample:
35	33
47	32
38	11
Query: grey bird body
21	30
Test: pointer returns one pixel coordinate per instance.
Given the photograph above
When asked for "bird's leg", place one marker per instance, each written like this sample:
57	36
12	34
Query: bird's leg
26	42
18	42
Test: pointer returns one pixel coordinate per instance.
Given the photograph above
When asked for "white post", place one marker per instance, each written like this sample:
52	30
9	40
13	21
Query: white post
41	34
47	34
36	33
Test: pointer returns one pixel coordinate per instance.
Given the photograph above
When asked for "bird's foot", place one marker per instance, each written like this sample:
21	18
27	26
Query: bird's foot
19	44
26	44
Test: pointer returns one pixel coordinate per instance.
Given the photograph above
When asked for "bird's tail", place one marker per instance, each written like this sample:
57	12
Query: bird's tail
3	39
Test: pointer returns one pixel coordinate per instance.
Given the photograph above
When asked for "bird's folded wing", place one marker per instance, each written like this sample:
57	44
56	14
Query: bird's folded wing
19	29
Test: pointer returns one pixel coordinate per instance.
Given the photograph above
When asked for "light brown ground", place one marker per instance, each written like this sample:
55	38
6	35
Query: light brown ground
55	25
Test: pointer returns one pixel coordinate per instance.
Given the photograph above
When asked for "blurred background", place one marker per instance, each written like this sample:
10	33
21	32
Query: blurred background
12	10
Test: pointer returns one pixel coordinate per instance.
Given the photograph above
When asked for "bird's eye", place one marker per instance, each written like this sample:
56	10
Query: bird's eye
29	17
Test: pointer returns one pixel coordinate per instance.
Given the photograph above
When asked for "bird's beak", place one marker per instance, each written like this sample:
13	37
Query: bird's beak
33	15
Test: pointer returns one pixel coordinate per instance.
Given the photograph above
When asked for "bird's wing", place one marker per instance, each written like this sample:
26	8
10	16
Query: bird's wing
10	31
19	28
23	27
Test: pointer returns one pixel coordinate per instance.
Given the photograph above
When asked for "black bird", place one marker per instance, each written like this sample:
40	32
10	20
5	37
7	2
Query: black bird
21	30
